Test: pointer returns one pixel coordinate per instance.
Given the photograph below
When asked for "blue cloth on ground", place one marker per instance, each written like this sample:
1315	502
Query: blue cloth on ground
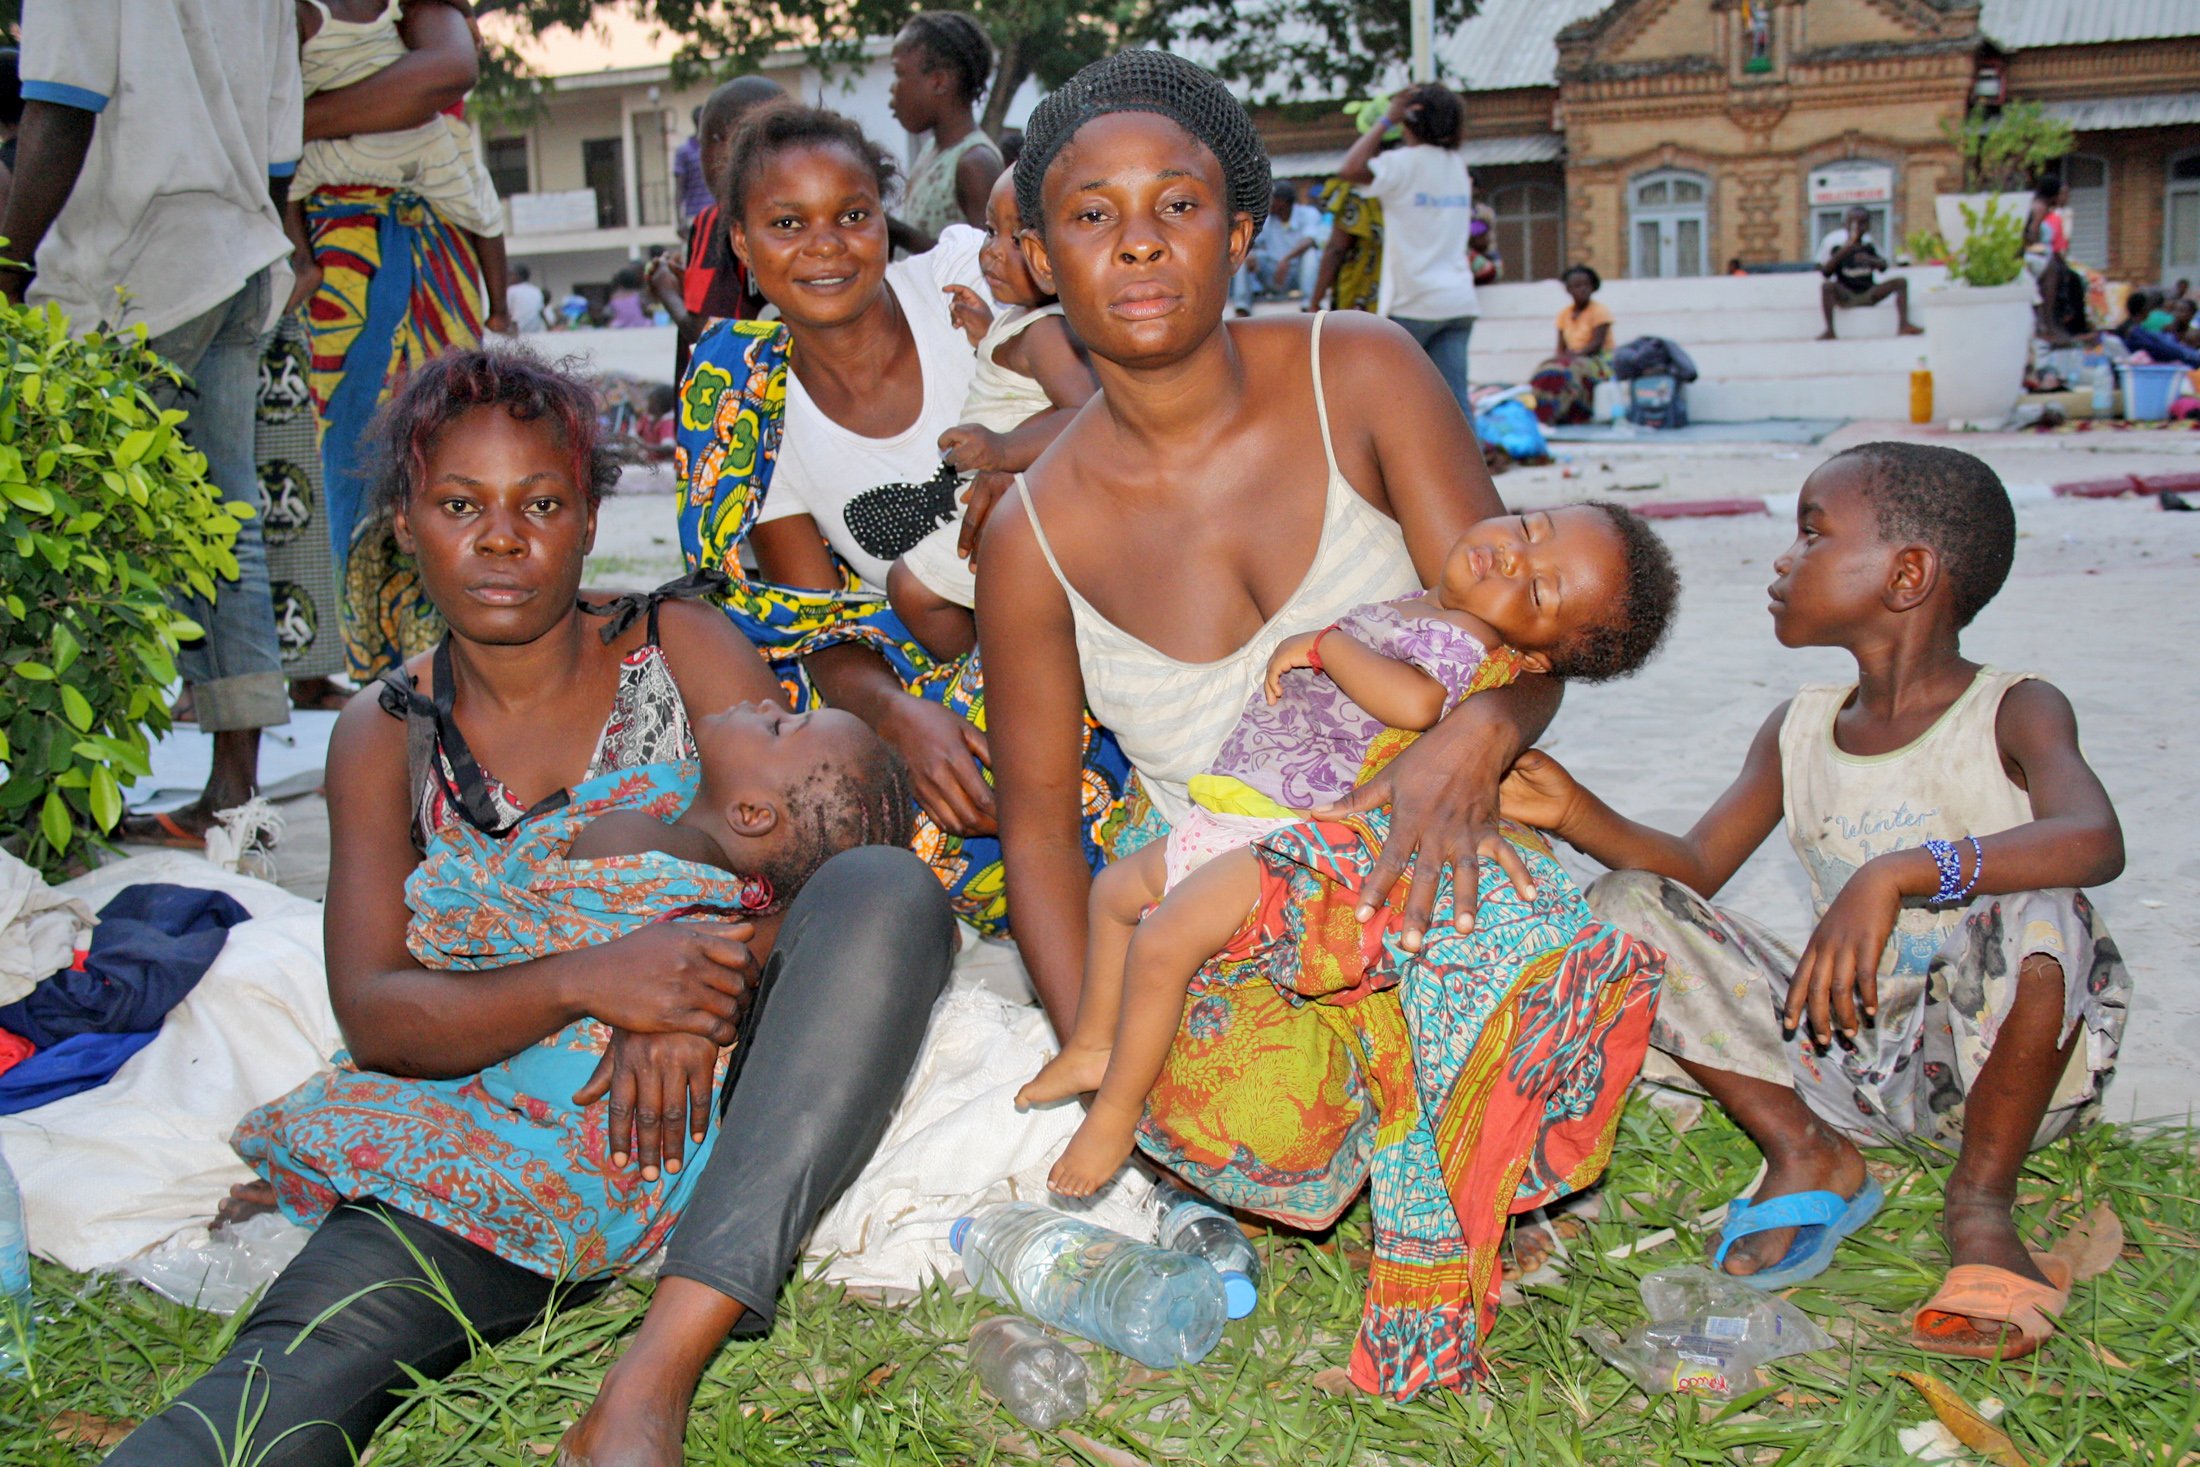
75	1064
153	944
1511	425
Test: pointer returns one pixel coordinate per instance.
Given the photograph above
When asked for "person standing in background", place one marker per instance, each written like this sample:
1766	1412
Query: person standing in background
524	302
179	126
942	63
1428	213
708	283
689	176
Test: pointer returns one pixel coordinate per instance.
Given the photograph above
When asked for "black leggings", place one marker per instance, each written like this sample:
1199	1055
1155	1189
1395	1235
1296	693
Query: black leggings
863	953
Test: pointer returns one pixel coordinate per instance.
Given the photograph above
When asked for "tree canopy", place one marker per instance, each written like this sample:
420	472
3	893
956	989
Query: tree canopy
1277	50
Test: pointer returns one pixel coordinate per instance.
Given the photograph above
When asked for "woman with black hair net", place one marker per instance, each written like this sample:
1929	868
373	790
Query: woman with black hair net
1236	482
1428	222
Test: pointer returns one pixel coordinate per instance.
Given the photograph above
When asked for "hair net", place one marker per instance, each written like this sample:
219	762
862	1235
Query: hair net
1148	81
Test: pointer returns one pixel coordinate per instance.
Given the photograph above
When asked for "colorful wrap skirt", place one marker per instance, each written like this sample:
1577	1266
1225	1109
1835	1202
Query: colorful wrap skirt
1566	388
1482	1077
400	286
726	440
504	1158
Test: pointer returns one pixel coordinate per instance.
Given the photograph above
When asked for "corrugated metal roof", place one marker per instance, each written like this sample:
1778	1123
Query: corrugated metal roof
1543	147
2112	114
2020	25
1513	43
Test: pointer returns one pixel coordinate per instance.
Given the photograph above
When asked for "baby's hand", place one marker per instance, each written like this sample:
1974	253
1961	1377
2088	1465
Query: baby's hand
968	310
1291	652
972	449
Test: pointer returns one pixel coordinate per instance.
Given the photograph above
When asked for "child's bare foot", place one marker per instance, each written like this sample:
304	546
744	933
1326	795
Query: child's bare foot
246	1199
1076	1070
1094	1155
1819	1160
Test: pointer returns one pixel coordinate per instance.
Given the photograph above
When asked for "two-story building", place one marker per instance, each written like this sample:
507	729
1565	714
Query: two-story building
1668	137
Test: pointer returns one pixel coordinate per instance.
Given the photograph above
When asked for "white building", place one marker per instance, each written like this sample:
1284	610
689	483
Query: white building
588	185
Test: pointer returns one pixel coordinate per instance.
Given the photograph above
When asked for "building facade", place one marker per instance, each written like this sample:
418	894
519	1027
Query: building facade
1671	137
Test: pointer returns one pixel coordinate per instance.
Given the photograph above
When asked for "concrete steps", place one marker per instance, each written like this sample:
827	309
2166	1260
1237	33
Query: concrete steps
1753	338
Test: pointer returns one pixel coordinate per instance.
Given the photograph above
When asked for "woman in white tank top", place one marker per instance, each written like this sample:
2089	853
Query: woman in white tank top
1233	483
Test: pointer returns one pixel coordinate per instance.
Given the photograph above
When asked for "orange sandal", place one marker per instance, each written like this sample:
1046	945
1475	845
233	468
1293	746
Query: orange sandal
2017	1306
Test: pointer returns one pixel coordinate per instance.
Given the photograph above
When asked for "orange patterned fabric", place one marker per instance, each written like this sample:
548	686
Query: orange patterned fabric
1481	1077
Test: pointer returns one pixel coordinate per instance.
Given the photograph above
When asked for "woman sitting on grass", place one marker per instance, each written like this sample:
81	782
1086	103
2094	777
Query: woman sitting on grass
493	486
1236	482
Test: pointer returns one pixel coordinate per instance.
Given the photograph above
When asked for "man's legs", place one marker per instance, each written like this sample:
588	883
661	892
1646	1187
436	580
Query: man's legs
1829	296
1446	344
235	671
1897	286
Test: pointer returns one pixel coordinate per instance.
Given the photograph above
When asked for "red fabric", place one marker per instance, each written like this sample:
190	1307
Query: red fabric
14	1049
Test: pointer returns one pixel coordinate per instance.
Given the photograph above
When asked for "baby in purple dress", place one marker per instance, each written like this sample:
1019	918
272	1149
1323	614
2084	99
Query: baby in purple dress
1585	592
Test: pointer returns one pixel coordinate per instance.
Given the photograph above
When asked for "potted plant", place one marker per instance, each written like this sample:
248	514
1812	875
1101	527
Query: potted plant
104	513
1978	325
2003	153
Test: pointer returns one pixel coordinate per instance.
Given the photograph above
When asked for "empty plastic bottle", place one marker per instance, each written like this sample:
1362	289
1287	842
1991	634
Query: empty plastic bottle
1037	1377
1193	1225
1160	1307
16	1323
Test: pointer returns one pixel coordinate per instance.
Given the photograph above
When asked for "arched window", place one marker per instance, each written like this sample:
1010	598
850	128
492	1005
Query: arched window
1670	215
2087	177
2181	219
1531	230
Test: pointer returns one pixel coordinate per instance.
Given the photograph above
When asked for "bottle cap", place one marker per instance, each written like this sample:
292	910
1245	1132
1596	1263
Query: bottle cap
958	1232
1238	1294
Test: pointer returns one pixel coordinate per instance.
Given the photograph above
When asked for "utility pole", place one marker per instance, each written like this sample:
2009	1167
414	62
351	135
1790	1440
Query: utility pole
1422	16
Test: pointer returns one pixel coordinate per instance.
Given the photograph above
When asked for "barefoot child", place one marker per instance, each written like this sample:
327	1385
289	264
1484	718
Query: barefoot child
1032	378
1959	986
1582	592
347	41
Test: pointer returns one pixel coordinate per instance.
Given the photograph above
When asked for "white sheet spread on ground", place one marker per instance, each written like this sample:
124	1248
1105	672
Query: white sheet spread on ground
118	1169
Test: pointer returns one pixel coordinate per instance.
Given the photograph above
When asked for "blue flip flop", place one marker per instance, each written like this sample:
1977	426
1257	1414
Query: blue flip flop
1821	1221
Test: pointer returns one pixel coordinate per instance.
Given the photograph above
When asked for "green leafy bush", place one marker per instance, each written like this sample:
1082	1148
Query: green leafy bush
1926	247
104	511
2008	149
1992	252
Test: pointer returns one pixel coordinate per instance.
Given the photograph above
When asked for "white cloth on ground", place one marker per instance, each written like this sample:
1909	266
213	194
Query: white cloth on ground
957	1142
117	1169
41	927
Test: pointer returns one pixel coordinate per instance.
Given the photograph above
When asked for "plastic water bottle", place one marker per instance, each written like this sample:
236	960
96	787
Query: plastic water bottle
1192	1225
1622	425
1161	1308
2103	378
16	1323
1037	1377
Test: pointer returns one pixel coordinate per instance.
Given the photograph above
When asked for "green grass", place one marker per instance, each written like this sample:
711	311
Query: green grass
845	1381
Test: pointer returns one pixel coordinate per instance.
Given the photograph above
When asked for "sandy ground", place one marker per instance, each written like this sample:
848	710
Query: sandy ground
2104	601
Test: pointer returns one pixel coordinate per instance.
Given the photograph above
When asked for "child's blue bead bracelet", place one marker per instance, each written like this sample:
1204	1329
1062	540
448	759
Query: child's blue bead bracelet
1953	888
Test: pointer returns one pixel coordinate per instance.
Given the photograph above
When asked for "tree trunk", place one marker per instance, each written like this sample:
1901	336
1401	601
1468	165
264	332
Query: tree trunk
1009	75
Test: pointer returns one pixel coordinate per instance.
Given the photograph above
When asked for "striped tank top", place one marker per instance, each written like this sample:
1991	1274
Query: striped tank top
1171	717
434	160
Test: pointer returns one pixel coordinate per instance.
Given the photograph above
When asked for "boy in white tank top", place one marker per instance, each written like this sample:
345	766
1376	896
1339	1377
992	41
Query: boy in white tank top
1959	986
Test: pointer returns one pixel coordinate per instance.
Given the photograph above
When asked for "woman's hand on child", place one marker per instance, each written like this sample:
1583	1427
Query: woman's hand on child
661	1087
677	978
980	495
1836	983
1539	791
968	310
943	754
973	449
1292	652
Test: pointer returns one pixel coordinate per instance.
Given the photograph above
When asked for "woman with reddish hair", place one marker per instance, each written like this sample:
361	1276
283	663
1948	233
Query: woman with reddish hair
491	479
